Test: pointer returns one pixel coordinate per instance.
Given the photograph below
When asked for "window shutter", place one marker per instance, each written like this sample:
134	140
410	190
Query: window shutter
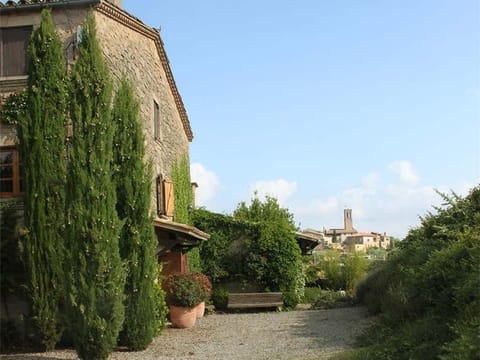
169	198
14	44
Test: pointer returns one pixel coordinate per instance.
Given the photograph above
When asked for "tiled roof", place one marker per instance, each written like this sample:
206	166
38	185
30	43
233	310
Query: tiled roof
24	3
125	18
340	231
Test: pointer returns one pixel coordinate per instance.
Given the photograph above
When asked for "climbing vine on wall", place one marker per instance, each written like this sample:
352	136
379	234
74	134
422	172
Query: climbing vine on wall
183	203
182	190
12	109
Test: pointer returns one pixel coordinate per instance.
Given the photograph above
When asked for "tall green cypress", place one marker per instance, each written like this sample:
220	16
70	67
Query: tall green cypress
95	276
137	239
42	138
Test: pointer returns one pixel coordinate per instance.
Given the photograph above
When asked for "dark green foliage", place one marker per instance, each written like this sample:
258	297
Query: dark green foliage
13	109
310	295
428	290
12	274
42	142
185	290
183	204
160	308
334	271
9	336
12	277
274	258
137	237
182	190
256	245
329	299
223	255
220	298
94	273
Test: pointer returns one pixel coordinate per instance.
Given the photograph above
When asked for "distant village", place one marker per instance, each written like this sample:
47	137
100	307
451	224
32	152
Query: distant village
347	239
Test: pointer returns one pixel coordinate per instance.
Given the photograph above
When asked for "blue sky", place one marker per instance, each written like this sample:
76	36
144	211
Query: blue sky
367	104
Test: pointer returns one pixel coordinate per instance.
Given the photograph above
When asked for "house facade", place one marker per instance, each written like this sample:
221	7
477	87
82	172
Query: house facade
361	242
132	48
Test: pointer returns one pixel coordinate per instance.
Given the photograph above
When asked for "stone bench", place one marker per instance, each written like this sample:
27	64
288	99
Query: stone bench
255	300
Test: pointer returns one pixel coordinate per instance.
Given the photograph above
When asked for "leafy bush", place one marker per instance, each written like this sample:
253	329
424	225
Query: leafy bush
220	298
160	309
184	289
256	245
328	299
9	336
311	295
334	271
428	290
274	258
204	282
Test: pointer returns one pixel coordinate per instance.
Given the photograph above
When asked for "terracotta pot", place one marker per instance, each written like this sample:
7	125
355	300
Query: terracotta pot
200	309
182	317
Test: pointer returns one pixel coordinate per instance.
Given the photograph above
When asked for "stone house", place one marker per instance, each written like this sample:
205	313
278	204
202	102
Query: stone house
361	242
132	48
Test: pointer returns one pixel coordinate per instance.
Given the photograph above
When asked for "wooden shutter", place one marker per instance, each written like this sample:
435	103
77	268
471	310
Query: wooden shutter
169	198
14	43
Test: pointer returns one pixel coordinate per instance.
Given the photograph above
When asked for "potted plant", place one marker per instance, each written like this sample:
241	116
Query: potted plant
206	286
183	292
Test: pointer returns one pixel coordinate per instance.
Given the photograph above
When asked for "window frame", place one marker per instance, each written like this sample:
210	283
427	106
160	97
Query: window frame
17	177
157	133
24	34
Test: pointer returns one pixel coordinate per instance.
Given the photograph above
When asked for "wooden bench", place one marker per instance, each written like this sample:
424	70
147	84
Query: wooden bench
254	300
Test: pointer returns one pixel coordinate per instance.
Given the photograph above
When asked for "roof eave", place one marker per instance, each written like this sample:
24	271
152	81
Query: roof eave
4	9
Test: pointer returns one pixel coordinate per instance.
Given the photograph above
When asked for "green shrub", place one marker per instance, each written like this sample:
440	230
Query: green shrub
328	299
311	295
9	336
160	309
220	298
256	245
184	289
428	289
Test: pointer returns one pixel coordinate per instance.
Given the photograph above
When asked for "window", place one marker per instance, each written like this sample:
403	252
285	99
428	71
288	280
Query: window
11	182
160	196
156	120
13	50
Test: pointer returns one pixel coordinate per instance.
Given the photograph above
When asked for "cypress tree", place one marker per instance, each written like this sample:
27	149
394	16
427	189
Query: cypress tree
137	238
42	141
95	276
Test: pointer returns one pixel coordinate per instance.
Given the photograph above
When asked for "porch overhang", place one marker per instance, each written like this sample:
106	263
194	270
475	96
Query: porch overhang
306	242
173	236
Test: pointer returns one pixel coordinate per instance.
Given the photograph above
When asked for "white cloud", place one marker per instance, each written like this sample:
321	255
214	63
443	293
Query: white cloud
405	170
371	181
207	183
319	207
393	207
280	189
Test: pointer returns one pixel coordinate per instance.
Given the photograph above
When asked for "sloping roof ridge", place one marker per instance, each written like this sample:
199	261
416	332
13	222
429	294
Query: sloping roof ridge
125	18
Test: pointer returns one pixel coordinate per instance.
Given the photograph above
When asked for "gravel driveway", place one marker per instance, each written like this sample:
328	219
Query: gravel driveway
308	334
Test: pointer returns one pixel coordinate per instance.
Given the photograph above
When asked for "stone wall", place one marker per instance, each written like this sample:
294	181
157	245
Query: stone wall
129	52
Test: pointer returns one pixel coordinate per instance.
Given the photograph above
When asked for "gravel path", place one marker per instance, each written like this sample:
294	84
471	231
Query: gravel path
309	334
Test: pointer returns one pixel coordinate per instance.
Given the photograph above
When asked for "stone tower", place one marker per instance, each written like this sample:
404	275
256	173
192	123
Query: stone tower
347	220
